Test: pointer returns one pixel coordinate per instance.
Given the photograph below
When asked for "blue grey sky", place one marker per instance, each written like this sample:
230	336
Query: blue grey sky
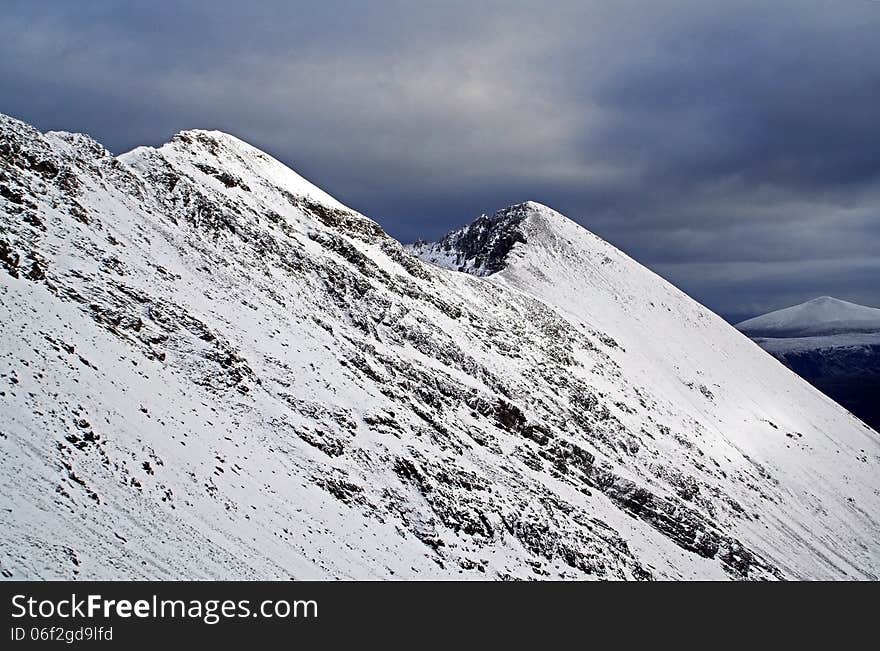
732	146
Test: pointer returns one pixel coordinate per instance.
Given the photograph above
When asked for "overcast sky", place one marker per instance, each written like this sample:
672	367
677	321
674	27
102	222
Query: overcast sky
734	147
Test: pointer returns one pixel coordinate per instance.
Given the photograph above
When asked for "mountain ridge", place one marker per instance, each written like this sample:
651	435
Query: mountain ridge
208	374
233	155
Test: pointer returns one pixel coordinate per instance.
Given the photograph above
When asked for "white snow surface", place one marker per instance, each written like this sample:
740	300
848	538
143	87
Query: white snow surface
211	369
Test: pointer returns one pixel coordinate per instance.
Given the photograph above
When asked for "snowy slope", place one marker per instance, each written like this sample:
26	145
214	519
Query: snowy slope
211	369
833	344
821	316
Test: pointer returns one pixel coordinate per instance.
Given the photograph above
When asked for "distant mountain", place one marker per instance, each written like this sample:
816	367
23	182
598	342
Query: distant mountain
833	344
821	316
211	369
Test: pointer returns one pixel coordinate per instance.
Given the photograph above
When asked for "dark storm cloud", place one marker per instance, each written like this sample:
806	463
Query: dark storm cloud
731	146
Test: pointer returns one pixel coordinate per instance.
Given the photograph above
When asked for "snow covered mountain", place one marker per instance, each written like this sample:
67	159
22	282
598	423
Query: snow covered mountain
833	344
209	368
821	316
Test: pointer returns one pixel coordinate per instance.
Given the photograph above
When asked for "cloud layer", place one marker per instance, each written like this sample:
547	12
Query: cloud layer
733	147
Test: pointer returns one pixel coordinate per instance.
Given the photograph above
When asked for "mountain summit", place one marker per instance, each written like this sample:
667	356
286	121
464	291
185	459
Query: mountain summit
224	160
481	248
209	368
489	244
821	316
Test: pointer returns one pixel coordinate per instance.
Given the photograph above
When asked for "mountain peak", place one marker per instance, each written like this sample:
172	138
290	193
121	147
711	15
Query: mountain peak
230	160
531	205
214	142
823	315
482	247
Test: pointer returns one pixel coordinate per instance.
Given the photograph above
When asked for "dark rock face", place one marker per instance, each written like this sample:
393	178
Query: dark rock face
686	526
480	248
